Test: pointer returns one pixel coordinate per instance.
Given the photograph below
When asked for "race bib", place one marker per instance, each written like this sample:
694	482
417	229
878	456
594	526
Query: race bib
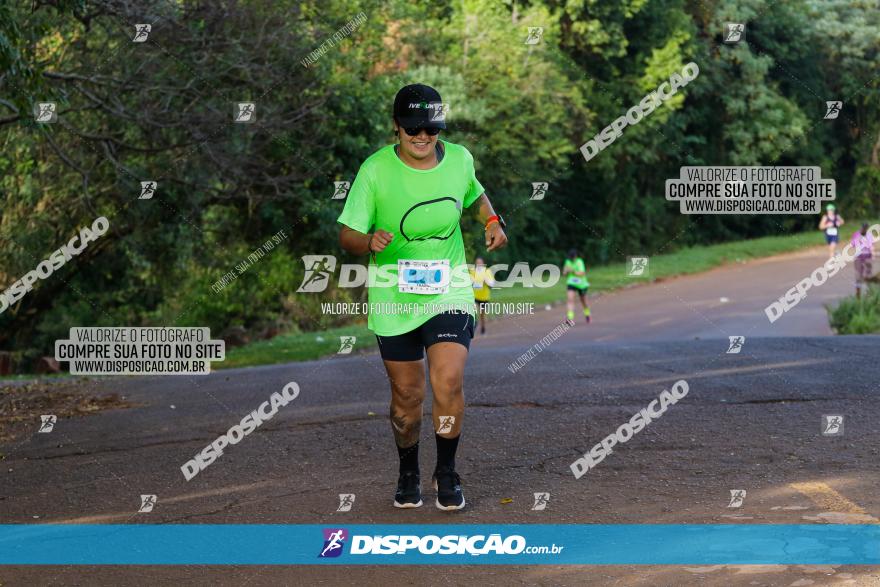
575	281
423	277
831	231
476	285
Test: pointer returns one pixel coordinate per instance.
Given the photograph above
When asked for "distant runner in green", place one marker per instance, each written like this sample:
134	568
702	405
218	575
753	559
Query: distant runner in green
404	209
576	284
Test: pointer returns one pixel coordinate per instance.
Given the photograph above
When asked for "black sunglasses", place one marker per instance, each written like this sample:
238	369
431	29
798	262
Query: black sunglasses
413	131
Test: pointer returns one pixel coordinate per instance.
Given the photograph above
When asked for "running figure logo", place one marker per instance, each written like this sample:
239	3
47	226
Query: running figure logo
147	503
737	497
45	112
539	190
734	32
148	188
637	266
535	34
832	425
346	345
245	112
334	541
47	423
346	501
832	109
736	344
446	424
340	190
141	32
319	268
541	501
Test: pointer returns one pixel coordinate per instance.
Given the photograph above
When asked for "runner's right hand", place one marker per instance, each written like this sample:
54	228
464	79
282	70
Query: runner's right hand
379	240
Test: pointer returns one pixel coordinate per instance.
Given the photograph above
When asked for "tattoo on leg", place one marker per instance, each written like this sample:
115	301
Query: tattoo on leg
406	433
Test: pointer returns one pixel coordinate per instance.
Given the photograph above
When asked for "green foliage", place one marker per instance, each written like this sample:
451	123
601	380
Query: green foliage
161	110
864	200
857	316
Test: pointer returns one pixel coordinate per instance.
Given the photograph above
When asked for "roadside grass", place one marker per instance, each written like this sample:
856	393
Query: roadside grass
300	346
685	261
857	316
307	346
31	376
304	346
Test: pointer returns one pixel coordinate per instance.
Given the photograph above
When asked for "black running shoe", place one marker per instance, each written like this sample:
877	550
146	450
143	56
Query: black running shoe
447	483
409	493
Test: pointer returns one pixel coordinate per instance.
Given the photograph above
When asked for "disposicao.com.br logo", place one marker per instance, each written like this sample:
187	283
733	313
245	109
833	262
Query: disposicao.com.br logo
319	269
450	544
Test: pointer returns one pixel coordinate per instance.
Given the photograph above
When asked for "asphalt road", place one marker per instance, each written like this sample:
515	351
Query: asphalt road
750	421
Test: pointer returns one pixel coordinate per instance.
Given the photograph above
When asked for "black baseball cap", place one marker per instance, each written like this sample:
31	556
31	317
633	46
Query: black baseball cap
419	106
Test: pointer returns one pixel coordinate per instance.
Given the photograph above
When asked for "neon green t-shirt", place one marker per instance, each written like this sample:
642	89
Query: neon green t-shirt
575	280
422	209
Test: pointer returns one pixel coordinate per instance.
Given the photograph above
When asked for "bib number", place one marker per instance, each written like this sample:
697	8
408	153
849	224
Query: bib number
831	231
423	277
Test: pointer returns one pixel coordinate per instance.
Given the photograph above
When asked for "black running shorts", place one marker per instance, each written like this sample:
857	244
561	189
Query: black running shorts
410	346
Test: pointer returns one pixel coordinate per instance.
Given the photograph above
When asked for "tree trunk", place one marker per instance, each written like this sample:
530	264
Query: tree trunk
875	152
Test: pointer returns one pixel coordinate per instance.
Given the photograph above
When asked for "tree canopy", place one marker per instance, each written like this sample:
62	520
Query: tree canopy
162	110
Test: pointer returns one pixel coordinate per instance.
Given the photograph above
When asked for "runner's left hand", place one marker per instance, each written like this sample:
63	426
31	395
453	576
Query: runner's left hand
495	237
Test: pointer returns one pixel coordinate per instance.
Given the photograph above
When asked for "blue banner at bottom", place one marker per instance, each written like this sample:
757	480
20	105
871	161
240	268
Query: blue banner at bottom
427	544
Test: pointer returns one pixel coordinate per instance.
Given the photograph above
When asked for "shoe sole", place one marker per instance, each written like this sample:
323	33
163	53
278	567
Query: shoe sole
447	508
450	508
406	506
